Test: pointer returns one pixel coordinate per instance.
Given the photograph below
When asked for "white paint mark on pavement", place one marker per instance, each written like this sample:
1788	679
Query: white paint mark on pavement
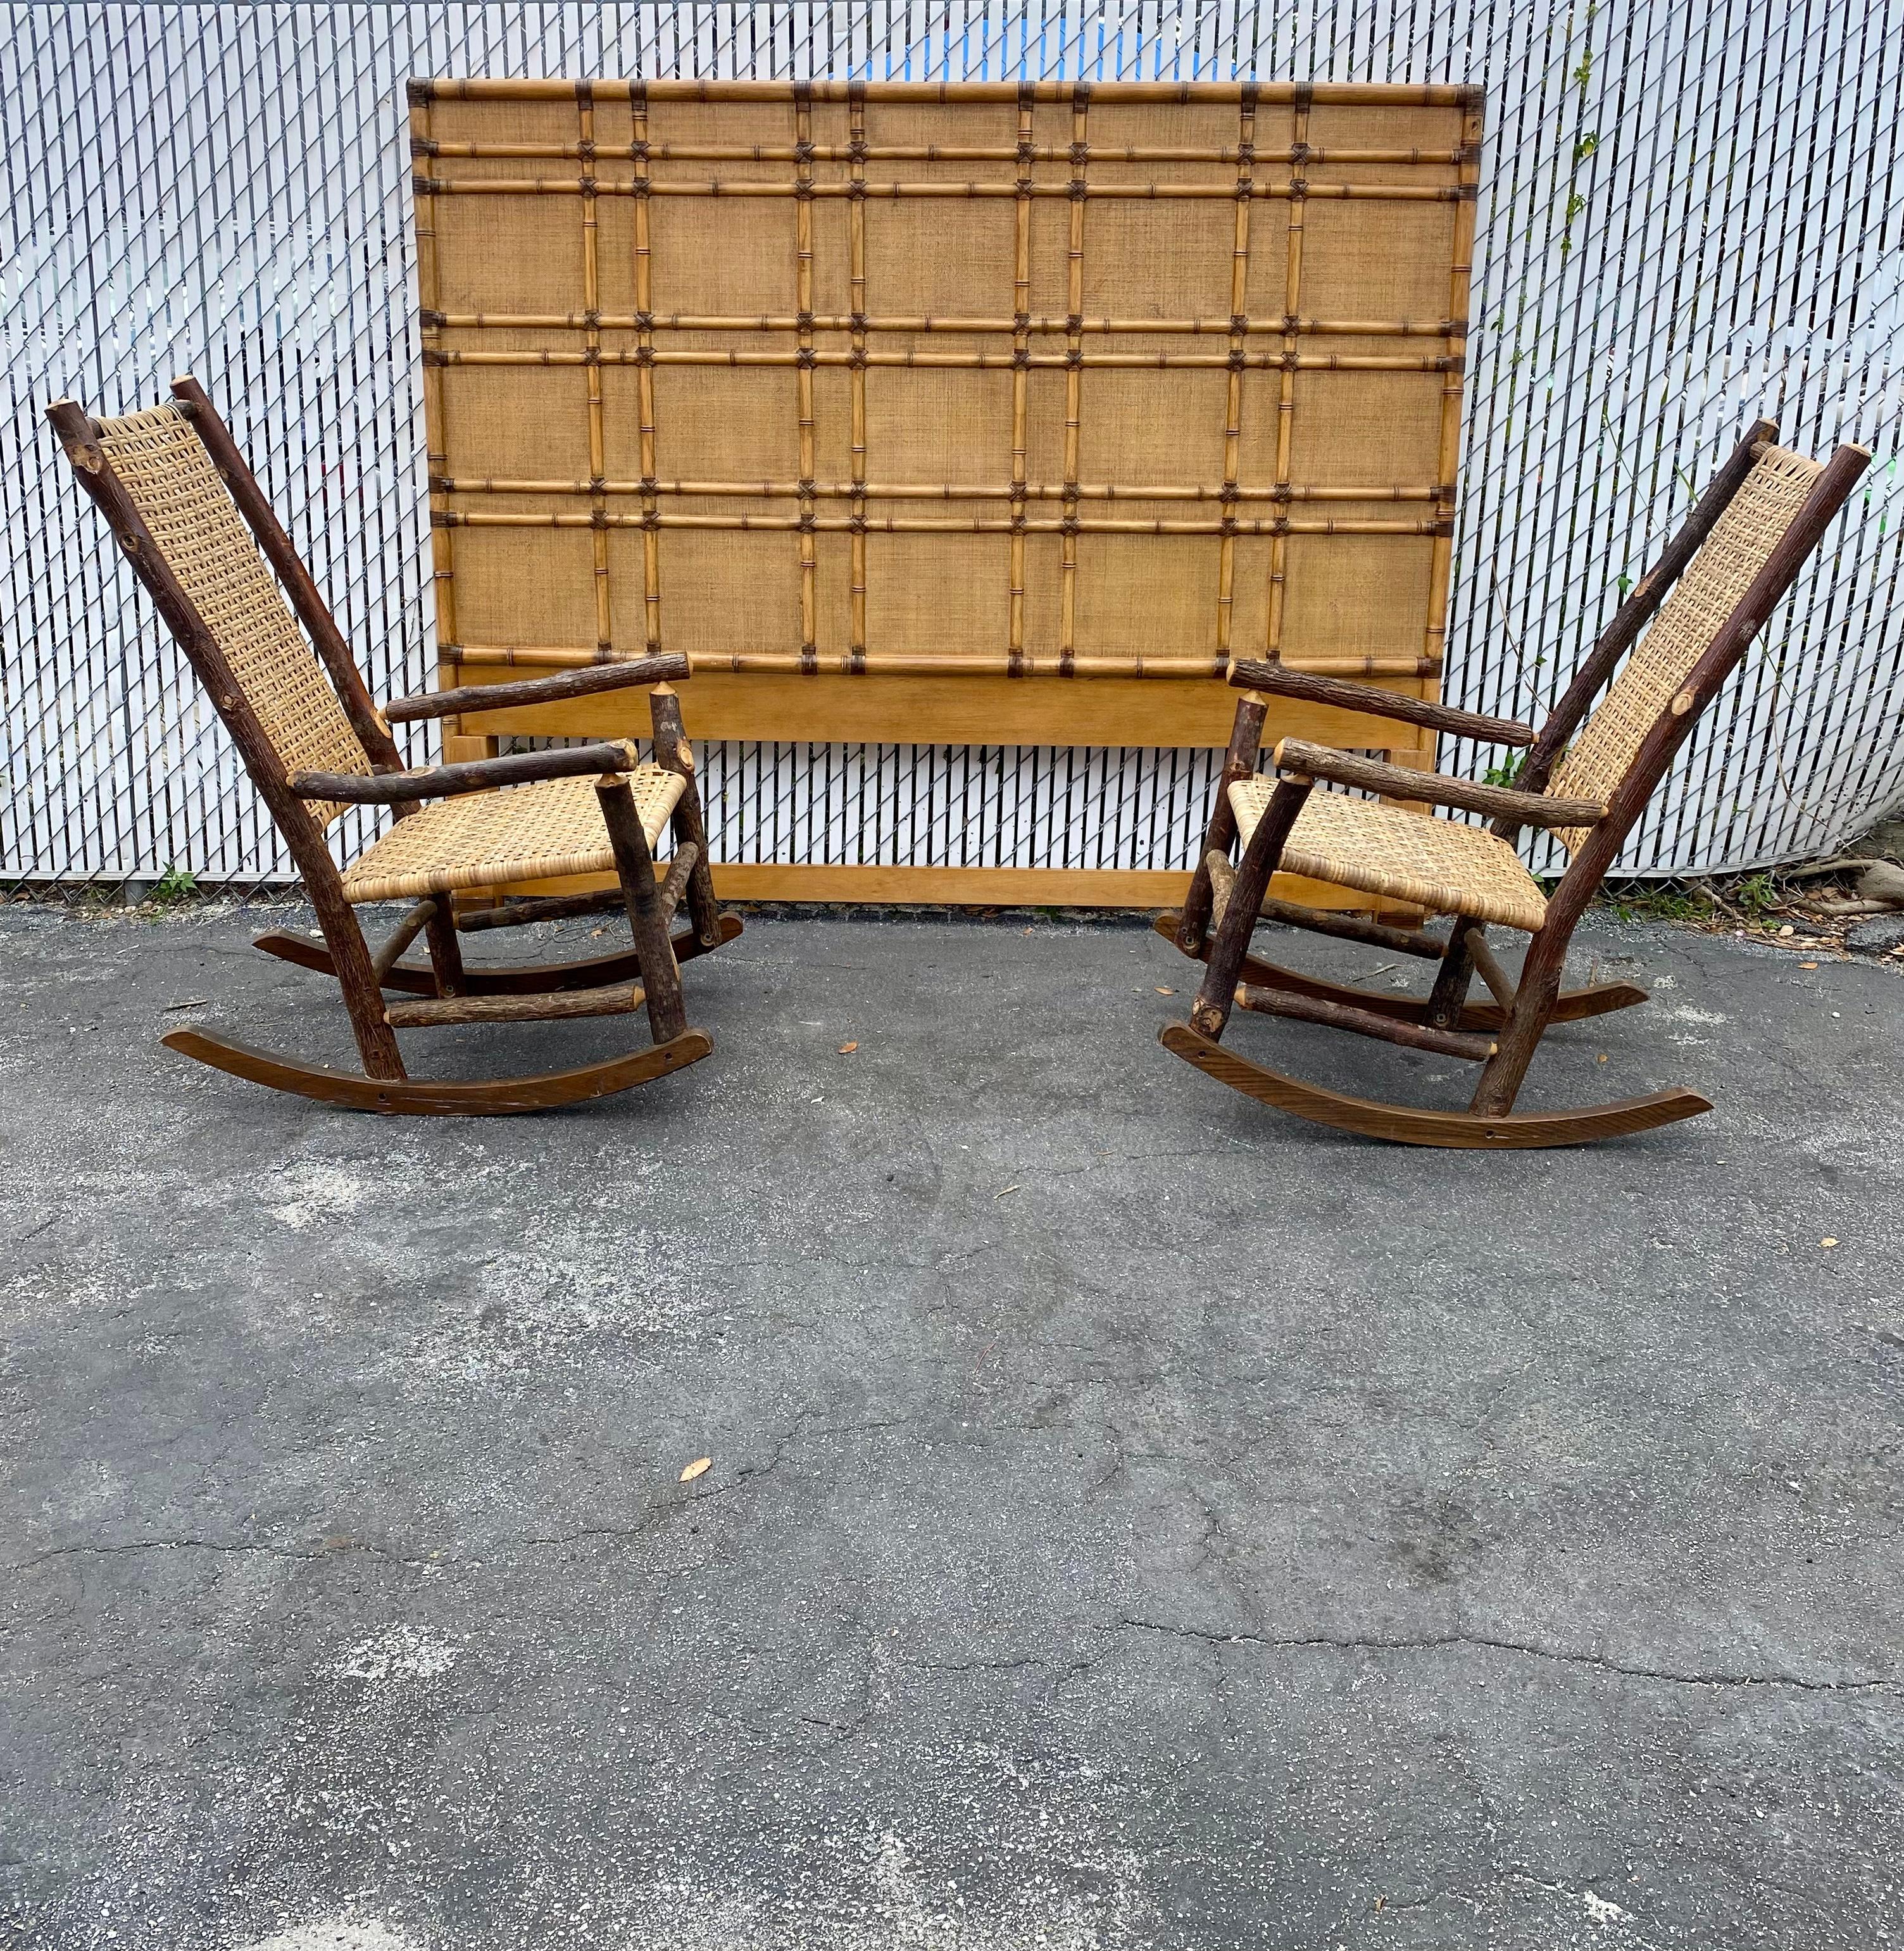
402	1653
337	1933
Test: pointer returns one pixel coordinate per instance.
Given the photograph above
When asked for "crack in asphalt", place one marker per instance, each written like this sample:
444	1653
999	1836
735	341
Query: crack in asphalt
658	1515
235	1546
1435	1642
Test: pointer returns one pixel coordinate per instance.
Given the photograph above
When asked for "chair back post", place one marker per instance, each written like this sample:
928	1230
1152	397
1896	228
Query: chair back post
78	437
1633	616
288	566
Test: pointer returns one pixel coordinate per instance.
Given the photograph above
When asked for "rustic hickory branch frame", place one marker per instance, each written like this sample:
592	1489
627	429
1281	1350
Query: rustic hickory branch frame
975	413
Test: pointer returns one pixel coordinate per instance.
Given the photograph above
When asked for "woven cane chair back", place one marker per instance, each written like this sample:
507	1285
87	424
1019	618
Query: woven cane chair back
165	469
1714	582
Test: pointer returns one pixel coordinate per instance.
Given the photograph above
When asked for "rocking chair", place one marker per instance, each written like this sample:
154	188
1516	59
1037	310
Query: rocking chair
173	485
1713	589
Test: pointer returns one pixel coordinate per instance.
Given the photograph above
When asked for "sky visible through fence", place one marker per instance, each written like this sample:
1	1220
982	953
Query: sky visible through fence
1689	214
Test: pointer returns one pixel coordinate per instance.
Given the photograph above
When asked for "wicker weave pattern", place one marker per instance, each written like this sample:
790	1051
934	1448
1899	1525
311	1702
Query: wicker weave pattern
1092	381
522	833
1714	580
1444	866
177	492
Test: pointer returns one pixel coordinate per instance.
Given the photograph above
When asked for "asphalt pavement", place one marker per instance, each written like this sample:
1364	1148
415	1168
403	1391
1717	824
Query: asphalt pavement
1134	1519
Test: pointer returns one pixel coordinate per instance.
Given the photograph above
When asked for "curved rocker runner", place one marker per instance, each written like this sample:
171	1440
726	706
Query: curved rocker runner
1588	775
173	486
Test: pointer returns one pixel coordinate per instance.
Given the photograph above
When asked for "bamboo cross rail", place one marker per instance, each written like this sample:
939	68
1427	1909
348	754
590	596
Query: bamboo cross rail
860	323
805	191
1364	94
950	490
808	357
863	152
807	523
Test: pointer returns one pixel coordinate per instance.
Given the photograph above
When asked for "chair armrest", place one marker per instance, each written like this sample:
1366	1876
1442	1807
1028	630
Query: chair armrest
469	775
1248	674
669	667
1301	760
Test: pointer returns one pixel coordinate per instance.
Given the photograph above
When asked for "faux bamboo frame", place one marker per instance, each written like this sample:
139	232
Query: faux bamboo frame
606	482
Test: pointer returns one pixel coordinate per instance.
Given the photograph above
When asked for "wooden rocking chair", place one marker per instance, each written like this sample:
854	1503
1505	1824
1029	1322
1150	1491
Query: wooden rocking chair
1713	589
173	484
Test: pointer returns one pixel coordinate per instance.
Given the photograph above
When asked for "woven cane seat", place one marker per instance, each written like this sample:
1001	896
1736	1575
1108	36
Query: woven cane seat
520	833
1444	866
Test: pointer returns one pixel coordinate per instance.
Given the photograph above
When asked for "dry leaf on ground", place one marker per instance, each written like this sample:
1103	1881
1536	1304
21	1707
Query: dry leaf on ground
848	1049
695	1469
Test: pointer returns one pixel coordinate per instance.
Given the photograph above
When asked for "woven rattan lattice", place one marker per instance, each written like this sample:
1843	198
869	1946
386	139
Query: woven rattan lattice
833	381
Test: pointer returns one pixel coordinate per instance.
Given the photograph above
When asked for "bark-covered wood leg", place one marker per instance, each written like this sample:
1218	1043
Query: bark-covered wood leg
356	979
1500	985
1527	1021
445	951
1211	1011
660	973
1454	978
672	751
1222	878
1239	762
686	857
401	936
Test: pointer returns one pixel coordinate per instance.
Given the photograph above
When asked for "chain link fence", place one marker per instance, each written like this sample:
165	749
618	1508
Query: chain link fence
1688	215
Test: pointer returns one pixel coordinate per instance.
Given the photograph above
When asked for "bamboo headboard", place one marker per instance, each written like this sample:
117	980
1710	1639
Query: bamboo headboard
879	399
